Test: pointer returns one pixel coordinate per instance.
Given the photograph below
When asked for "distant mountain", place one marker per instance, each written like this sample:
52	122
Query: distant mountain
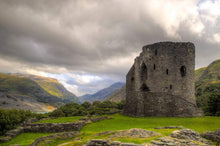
119	95
207	82
52	86
24	93
102	94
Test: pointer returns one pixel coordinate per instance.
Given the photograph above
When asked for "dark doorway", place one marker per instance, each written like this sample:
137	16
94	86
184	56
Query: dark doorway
144	88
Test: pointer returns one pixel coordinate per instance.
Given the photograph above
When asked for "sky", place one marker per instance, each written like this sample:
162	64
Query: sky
88	45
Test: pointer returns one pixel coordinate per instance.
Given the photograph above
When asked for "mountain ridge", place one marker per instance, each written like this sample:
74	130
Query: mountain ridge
102	94
52	86
25	93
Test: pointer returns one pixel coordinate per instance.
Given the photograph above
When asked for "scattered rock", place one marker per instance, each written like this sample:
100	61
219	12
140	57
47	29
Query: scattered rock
181	138
157	142
96	119
214	136
4	139
170	127
103	142
136	133
29	121
115	143
53	127
98	142
14	132
189	134
103	133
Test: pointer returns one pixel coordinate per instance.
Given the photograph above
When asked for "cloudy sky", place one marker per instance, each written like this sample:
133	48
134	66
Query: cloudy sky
89	44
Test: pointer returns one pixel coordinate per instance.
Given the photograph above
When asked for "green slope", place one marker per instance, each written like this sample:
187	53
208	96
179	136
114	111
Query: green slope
118	95
207	83
199	72
19	85
102	94
52	86
25	87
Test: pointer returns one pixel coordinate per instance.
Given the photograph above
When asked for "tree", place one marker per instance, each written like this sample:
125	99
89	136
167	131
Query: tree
57	113
213	104
96	103
86	104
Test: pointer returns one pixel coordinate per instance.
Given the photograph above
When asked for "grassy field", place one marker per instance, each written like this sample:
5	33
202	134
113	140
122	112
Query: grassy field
25	139
120	122
61	120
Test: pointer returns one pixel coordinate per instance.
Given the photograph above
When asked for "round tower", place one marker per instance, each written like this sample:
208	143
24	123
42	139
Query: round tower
161	81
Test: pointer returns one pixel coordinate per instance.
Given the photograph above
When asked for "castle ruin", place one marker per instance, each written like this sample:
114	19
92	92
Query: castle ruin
161	81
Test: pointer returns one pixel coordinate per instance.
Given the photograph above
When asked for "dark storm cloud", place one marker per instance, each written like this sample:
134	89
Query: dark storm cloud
100	37
41	32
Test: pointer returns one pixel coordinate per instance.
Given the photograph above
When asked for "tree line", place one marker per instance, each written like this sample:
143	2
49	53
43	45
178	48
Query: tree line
10	119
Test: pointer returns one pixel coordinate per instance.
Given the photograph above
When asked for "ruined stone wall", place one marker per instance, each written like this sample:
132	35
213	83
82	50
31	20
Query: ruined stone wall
165	69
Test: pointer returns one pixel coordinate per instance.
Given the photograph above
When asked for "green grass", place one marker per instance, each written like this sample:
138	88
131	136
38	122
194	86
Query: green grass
121	122
25	139
61	120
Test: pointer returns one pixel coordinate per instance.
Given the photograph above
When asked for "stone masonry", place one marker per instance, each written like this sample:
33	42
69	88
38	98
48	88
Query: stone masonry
161	81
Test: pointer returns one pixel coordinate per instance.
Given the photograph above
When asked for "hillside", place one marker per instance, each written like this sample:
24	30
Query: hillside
102	94
118	95
208	83
52	86
199	72
24	93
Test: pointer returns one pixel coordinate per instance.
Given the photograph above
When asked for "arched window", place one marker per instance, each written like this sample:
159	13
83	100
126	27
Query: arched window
155	52
132	79
144	88
167	71
154	66
143	71
171	86
183	71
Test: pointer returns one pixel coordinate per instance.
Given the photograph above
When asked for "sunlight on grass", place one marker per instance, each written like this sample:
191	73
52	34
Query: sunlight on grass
25	139
121	122
62	120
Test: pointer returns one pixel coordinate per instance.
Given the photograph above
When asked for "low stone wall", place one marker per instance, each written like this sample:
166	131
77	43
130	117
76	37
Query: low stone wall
103	142
54	127
54	136
49	127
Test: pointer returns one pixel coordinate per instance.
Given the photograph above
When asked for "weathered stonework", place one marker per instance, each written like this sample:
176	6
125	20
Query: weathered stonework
161	81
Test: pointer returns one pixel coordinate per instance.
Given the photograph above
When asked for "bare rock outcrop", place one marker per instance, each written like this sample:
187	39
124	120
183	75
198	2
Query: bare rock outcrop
214	136
182	137
103	142
136	133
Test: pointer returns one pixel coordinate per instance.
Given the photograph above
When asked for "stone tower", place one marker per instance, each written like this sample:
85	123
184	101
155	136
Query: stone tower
161	81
